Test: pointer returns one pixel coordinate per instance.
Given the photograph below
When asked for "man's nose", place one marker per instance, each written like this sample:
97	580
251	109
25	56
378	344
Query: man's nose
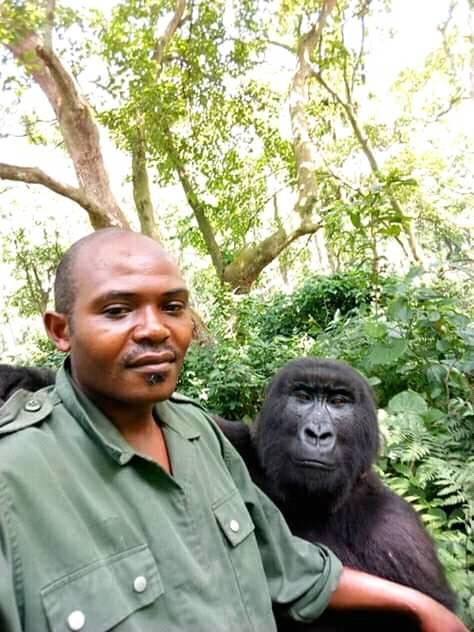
150	326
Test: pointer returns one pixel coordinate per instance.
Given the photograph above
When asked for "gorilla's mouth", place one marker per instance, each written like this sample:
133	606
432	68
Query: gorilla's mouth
314	463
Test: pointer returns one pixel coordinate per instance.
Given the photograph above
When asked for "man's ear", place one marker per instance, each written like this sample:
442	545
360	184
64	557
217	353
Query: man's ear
58	330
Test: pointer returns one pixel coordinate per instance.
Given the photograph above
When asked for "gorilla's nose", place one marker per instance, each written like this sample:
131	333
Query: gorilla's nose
320	436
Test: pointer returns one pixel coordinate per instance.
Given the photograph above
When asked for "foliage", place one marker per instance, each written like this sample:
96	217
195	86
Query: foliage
428	459
210	103
34	266
313	305
44	353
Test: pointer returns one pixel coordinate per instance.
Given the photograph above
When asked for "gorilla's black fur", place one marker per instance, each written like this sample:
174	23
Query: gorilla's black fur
12	378
311	450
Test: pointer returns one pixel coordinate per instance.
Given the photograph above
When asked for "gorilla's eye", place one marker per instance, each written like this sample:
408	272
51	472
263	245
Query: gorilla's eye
338	399
303	395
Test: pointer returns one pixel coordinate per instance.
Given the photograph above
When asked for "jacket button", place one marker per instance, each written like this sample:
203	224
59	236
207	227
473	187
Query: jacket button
32	405
76	620
140	584
234	526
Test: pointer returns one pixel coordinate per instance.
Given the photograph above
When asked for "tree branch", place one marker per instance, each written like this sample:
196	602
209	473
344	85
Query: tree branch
171	28
286	47
141	186
305	151
358	61
47	31
195	203
62	79
33	175
369	154
251	260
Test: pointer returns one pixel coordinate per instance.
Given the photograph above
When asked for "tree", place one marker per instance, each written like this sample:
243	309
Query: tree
163	106
187	90
34	266
27	33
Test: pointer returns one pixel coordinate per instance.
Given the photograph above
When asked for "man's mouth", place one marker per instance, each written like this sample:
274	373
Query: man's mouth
153	362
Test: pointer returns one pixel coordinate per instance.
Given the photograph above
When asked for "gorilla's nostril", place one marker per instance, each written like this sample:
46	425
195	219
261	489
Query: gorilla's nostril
326	436
311	435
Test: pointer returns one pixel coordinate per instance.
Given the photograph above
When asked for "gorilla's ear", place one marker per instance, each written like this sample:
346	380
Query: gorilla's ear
58	330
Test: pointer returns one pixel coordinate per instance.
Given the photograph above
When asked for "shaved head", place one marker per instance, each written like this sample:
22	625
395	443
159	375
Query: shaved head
66	281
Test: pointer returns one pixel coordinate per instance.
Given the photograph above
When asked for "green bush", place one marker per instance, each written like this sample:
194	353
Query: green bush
230	379
313	305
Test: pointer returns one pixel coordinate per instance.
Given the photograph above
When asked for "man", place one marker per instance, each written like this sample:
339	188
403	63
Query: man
121	505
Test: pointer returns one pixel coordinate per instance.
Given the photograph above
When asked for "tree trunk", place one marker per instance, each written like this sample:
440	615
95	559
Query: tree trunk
141	188
305	151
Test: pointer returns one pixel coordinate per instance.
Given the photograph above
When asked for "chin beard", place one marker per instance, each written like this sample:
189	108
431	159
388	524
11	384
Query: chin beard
154	378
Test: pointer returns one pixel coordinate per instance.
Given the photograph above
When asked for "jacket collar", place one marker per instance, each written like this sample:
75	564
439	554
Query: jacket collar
103	431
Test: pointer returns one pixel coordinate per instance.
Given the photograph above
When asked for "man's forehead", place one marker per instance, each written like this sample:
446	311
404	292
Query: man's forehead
129	255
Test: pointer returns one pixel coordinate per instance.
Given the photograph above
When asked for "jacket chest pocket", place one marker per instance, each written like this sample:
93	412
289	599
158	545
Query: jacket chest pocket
234	519
101	595
238	528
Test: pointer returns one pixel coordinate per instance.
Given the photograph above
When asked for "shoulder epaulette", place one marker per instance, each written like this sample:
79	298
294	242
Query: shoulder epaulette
24	409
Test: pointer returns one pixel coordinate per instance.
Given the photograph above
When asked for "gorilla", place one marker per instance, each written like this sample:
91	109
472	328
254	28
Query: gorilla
311	450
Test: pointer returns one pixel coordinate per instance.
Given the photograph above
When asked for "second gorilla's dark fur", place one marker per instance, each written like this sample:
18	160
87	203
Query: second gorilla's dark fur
311	450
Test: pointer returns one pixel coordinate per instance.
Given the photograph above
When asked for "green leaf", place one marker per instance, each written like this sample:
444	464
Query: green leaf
399	309
374	381
387	353
393	230
355	219
408	401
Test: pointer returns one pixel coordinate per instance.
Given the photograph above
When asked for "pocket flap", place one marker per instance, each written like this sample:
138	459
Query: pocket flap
99	596
234	519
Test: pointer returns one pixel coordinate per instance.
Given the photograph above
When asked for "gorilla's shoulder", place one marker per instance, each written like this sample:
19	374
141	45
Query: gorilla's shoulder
237	432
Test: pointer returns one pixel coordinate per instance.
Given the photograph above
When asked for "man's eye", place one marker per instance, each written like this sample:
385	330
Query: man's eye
116	311
175	307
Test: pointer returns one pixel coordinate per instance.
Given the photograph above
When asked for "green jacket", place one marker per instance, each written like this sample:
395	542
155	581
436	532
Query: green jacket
95	537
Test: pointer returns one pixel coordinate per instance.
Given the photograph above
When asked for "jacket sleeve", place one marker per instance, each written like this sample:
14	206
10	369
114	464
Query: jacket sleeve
9	612
301	576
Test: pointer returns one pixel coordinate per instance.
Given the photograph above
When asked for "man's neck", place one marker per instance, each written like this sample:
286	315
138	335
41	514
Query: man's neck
137	425
139	428
148	440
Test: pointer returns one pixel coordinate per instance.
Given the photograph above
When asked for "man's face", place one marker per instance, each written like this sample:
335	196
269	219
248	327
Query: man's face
131	322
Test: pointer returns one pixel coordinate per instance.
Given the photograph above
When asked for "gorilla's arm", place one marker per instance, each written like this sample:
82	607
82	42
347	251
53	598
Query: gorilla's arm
406	554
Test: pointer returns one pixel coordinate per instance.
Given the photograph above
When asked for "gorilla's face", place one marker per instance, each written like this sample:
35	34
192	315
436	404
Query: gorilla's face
317	431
